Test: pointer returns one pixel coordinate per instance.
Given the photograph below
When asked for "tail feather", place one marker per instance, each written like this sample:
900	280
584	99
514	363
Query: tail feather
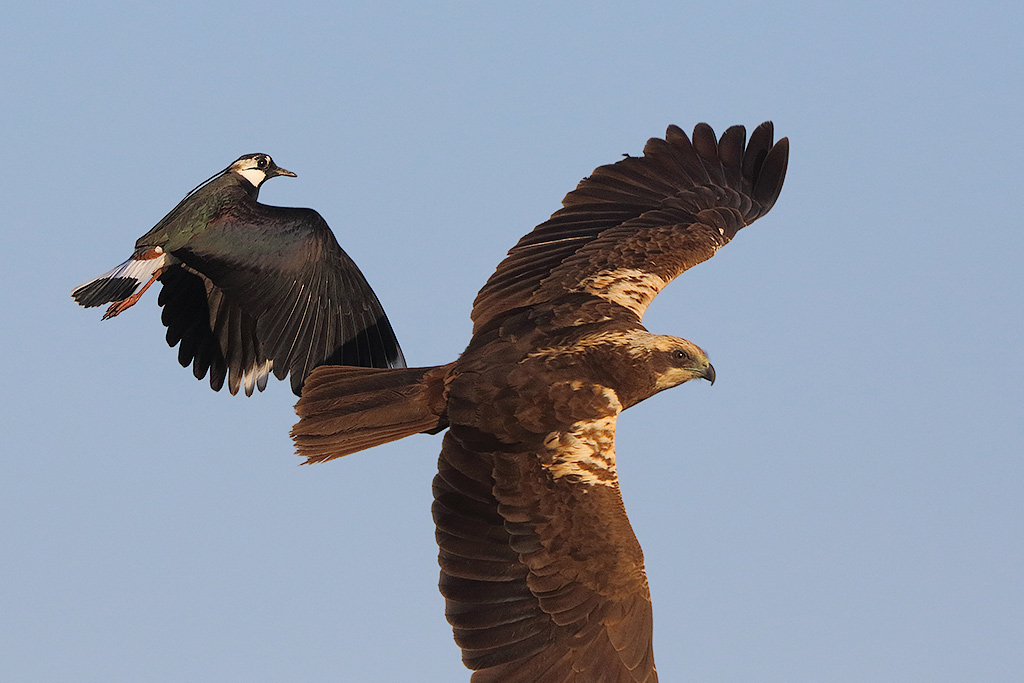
347	409
117	284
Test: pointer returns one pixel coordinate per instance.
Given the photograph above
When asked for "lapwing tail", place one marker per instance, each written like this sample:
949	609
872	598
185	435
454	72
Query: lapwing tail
121	283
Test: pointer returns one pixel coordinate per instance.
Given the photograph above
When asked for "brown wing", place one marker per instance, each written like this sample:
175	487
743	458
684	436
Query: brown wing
632	226
542	575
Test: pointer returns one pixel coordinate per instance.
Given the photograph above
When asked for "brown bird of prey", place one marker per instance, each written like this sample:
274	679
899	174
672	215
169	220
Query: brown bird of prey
542	575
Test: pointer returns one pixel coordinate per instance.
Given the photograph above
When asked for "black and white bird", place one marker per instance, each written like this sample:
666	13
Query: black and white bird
250	289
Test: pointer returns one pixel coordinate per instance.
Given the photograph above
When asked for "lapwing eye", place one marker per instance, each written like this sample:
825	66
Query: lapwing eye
262	163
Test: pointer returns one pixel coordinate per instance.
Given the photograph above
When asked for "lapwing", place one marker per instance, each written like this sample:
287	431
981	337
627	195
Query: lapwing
250	289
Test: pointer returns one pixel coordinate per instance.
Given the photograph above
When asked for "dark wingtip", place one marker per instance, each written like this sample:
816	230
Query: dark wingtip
772	174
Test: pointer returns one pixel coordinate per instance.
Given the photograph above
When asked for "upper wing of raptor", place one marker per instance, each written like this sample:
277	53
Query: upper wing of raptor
631	227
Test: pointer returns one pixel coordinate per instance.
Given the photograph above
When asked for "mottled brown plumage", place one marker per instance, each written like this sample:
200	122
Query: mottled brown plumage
542	575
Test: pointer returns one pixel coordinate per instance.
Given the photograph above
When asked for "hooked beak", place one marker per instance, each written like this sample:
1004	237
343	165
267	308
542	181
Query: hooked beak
709	374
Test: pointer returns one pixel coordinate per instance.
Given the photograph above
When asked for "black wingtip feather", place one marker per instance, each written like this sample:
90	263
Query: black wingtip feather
705	142
757	149
772	174
730	151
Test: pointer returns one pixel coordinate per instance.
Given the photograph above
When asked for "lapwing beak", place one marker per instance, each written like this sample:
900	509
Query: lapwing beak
277	170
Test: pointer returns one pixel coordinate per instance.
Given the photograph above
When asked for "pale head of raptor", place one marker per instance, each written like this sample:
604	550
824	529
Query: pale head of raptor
257	168
671	360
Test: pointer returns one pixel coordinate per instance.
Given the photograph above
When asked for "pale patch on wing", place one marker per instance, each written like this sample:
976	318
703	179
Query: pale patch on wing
628	287
585	451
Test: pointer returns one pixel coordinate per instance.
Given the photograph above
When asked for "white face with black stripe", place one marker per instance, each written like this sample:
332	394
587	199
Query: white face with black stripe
253	167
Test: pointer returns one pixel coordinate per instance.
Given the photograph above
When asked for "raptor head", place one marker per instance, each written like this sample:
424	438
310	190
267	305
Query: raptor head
676	360
257	168
670	360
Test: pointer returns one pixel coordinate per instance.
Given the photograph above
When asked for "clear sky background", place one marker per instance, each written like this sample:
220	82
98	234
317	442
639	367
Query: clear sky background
846	504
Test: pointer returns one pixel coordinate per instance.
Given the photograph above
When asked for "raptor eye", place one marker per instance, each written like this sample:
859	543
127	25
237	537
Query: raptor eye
680	355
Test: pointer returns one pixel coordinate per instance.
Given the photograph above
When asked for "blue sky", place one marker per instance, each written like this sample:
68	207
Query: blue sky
845	504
